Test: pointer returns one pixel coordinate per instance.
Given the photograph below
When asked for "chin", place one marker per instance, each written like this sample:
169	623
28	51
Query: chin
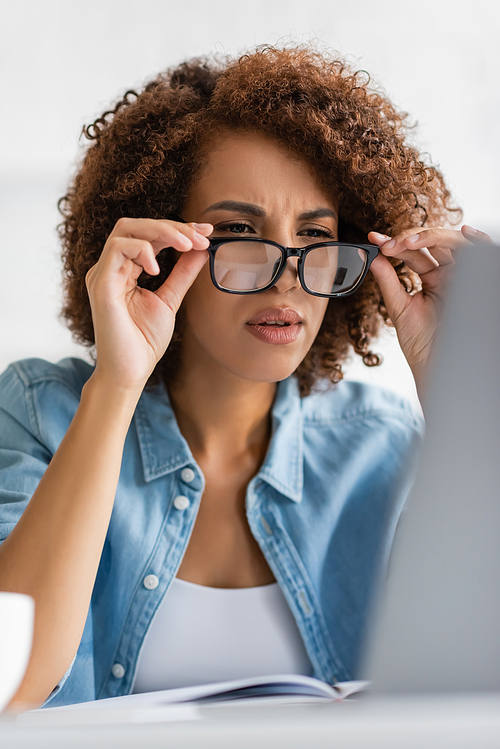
266	370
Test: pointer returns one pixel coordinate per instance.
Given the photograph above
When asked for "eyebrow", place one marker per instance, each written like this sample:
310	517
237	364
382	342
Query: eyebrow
317	213
254	210
235	205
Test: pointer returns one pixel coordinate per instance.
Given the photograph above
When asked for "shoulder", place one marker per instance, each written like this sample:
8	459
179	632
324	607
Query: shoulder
41	395
71	373
358	419
360	436
355	402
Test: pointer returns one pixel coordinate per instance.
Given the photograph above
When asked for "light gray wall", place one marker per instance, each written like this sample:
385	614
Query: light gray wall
61	64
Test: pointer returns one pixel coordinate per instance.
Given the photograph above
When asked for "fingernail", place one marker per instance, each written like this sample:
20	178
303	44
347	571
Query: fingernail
203	227
414	238
390	244
471	229
379	235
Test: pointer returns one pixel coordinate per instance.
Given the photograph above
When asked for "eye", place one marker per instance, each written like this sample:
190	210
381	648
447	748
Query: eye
235	227
316	232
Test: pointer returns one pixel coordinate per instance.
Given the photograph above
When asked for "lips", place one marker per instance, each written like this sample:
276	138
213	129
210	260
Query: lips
276	325
283	315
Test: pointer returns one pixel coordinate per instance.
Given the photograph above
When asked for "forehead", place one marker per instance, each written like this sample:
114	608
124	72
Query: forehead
252	167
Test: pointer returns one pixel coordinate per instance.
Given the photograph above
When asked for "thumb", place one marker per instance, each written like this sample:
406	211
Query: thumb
396	299
174	288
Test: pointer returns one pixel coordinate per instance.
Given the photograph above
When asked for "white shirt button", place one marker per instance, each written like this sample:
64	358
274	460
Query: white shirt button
187	475
150	582
118	671
181	502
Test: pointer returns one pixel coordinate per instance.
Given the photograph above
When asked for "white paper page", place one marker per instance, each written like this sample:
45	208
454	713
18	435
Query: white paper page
346	688
285	685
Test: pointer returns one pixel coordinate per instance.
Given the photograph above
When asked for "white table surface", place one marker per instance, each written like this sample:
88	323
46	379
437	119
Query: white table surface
426	722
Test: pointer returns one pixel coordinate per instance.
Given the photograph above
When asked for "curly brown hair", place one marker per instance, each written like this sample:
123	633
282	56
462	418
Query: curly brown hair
147	151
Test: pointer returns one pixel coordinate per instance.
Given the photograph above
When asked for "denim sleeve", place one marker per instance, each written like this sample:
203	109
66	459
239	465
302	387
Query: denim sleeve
23	456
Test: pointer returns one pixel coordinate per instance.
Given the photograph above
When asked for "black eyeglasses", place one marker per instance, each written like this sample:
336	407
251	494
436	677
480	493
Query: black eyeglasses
246	265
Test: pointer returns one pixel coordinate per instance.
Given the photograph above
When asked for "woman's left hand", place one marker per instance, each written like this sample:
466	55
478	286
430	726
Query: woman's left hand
428	252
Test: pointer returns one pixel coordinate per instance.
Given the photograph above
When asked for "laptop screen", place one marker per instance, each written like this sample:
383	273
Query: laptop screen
437	627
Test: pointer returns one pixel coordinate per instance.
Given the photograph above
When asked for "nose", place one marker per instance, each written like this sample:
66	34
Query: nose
289	280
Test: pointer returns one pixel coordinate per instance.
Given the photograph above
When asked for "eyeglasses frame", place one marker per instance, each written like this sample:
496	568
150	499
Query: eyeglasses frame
286	252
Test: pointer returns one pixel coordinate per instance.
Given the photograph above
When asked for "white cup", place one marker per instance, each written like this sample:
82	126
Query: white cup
17	616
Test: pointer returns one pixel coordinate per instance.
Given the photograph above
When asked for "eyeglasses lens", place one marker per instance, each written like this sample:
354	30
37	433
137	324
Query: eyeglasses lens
333	270
246	266
250	266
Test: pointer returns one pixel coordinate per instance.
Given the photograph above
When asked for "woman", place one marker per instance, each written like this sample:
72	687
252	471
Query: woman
200	492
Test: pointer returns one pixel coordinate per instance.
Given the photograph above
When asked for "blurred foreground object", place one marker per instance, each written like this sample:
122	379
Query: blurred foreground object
438	624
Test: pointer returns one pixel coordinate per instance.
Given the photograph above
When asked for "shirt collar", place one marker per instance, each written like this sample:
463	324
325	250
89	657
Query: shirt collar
164	450
283	465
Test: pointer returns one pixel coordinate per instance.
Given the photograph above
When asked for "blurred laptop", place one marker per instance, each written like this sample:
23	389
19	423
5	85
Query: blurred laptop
437	628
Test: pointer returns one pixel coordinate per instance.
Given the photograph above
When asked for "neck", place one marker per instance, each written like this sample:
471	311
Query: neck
222	414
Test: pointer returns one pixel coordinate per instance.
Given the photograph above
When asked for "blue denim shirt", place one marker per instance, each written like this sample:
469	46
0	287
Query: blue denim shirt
323	509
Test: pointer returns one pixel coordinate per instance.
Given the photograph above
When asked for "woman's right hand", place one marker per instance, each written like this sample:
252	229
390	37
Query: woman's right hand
133	326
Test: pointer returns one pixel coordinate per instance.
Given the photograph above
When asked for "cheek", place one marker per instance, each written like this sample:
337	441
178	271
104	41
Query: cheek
316	314
207	310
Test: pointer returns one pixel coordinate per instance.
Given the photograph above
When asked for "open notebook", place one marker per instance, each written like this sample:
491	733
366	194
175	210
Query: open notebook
149	706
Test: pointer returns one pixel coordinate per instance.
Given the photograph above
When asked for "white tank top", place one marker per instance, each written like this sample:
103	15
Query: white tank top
201	635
